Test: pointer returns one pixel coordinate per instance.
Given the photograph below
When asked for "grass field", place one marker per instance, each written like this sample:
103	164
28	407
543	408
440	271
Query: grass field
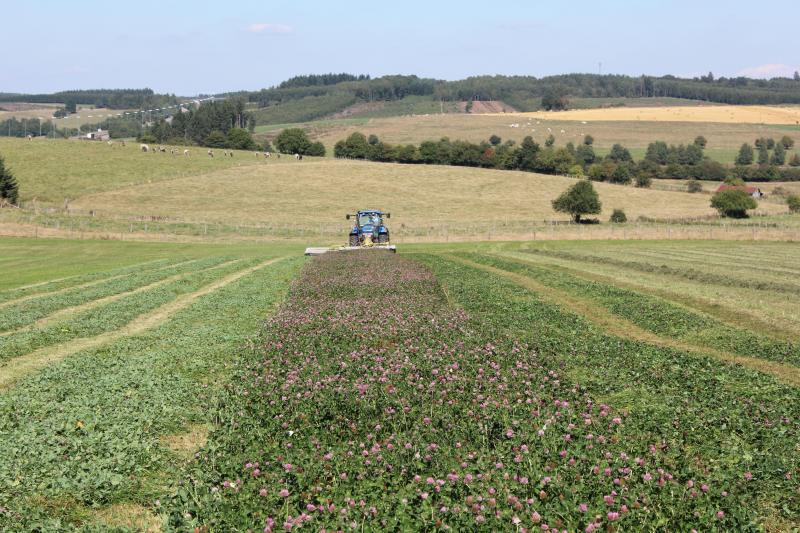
45	112
131	398
608	126
114	187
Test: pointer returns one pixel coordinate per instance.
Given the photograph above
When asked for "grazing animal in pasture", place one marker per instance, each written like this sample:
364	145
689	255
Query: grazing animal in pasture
123	143
145	148
266	154
297	156
186	153
230	153
111	144
211	153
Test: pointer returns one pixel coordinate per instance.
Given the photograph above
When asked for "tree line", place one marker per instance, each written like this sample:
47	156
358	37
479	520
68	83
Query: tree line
618	166
522	90
108	98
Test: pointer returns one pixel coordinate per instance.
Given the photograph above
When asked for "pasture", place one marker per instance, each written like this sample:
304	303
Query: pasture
85	114
488	386
92	188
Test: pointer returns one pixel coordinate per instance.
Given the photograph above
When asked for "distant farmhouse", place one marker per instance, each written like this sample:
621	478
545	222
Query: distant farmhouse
755	192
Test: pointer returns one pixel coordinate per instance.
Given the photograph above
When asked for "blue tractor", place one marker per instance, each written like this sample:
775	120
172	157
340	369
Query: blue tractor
369	229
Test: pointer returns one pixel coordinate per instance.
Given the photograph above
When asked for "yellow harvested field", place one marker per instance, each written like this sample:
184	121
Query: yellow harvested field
711	113
320	191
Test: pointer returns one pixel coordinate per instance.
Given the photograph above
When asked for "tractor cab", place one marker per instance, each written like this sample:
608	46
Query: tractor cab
369	228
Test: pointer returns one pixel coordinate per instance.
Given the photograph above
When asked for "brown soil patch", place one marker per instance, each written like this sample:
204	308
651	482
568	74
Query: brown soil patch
480	107
129	515
189	442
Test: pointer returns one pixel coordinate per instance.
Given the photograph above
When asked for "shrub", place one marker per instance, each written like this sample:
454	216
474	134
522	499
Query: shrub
576	170
588	140
733	203
9	190
316	149
700	141
787	142
494	140
643	180
215	139
240	139
580	199
794	161
147	138
694	186
793	201
621	175
618	217
293	141
734	180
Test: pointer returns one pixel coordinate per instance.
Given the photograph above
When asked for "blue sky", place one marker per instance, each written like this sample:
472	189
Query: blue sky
190	47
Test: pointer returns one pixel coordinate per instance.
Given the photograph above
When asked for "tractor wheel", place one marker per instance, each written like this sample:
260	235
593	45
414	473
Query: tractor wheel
383	238
354	240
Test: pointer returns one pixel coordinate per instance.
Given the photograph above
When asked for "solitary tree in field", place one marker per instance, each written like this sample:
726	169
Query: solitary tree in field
700	141
494	140
787	141
745	156
794	161
550	141
9	190
580	199
733	203
588	140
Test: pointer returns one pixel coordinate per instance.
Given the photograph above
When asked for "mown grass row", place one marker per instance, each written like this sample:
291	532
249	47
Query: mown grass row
88	432
736	428
687	273
30	311
42	289
111	316
656	314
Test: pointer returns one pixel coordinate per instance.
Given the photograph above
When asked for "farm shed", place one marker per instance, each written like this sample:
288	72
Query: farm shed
99	135
755	192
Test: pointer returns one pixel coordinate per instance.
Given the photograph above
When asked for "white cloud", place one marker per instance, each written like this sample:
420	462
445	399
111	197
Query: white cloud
269	28
769	70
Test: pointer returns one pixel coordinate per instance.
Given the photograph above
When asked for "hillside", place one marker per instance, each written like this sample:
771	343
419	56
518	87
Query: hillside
244	189
725	127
